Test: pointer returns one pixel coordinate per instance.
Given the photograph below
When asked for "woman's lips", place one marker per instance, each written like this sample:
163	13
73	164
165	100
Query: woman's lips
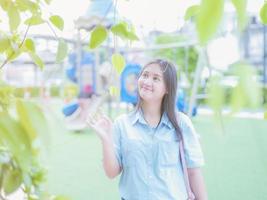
147	88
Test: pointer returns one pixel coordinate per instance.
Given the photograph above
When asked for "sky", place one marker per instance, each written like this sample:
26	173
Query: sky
149	14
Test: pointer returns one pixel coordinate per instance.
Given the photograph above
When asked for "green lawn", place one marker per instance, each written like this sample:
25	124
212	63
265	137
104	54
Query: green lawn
236	161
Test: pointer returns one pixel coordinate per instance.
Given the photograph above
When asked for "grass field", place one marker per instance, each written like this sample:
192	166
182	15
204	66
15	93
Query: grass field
236	160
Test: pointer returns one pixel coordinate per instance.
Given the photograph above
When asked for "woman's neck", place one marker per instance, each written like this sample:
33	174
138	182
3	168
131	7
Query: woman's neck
152	114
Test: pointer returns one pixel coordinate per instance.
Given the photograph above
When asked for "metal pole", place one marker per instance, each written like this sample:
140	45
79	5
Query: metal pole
197	76
264	61
78	62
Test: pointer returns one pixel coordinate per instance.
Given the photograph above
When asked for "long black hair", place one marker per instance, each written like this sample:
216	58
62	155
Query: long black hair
169	99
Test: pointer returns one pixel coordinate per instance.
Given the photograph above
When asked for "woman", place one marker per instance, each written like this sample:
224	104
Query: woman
143	146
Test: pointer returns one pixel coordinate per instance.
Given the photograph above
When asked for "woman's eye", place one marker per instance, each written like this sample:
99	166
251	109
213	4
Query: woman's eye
156	79
145	75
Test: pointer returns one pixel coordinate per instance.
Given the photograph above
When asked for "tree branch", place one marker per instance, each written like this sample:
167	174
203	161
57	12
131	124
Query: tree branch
12	54
51	28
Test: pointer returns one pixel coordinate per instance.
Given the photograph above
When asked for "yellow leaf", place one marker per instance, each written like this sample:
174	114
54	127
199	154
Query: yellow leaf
57	21
191	12
263	13
98	35
62	51
113	91
118	62
208	19
14	17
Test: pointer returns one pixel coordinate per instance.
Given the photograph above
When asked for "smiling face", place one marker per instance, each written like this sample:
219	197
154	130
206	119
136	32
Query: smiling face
151	84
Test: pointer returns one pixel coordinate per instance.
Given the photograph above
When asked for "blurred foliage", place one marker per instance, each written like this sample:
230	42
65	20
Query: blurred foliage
23	126
184	57
22	123
118	62
69	91
122	29
98	35
263	13
246	93
209	14
14	44
20	132
208	19
6	94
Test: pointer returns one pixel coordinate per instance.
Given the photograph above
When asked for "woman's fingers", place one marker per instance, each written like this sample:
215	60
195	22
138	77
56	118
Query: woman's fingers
107	119
91	120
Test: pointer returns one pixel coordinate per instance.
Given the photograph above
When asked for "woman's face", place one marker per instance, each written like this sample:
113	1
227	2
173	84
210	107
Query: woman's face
151	85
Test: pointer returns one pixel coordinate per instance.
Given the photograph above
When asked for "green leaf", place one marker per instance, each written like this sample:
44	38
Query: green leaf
118	62
38	176
23	109
5	4
37	60
98	35
132	36
29	45
215	94
57	21
13	52
240	6
62	51
237	98
34	20
12	180
208	19
263	13
32	119
14	17
16	140
124	31
4	44
192	11
247	92
61	197
119	29
114	91
27	5
22	5
48	1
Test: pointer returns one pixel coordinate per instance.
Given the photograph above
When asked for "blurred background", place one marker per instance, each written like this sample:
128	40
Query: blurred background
69	63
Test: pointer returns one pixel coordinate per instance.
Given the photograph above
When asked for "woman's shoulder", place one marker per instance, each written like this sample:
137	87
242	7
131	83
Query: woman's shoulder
186	124
124	118
183	119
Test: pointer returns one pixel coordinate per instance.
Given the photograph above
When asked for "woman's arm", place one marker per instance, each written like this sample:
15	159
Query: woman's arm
110	162
197	183
103	128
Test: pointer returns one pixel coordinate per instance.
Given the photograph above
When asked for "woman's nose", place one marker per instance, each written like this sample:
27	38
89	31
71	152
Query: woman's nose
148	82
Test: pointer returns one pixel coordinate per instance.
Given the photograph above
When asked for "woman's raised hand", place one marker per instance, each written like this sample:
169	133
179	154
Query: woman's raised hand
102	125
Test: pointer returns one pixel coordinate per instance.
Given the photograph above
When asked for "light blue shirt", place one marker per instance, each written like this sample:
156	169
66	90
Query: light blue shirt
149	157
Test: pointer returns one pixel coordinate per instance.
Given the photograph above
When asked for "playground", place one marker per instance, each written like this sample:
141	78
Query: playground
61	69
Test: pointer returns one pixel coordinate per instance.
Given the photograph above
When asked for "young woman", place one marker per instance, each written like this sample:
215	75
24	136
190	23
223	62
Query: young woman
143	146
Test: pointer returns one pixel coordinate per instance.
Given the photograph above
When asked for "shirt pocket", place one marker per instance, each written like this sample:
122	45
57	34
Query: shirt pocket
168	153
132	152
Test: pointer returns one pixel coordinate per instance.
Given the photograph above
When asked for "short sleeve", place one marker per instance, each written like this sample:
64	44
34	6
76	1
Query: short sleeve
193	152
116	133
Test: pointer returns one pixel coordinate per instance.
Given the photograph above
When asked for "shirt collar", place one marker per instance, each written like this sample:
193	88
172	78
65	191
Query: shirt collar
139	117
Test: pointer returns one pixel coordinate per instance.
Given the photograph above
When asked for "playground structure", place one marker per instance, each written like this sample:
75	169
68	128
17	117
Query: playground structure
82	68
128	88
